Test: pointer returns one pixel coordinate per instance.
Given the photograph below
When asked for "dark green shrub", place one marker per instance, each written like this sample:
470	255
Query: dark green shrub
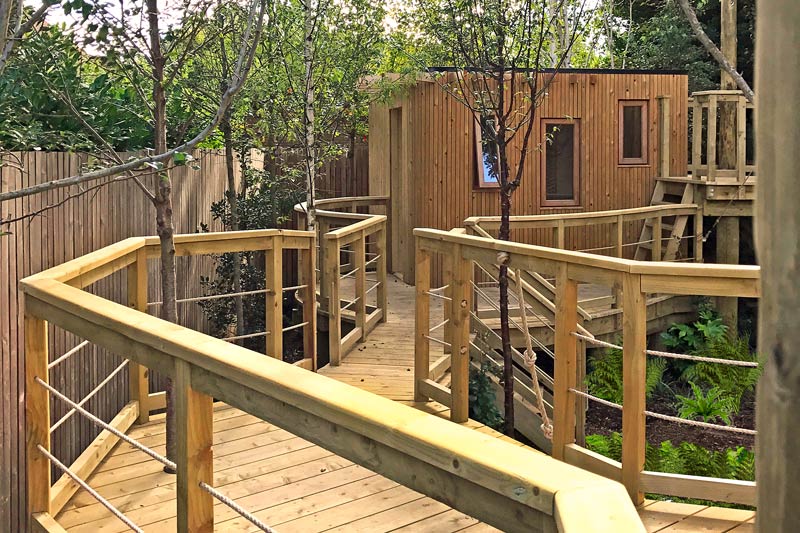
482	406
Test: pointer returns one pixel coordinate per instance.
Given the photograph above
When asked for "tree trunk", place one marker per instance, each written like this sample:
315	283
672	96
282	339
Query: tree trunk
505	330
308	115
165	227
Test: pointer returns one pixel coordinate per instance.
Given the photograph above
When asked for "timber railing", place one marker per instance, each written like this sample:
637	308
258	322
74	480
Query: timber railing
510	487
352	259
635	280
706	111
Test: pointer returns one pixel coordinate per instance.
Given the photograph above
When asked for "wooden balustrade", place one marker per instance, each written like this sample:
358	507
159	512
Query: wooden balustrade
510	487
637	279
193	409
351	244
704	162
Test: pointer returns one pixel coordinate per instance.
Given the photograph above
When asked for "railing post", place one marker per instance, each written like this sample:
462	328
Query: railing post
422	308
334	305
360	294
566	361
711	140
698	235
559	235
656	255
447	304
274	301
139	387
195	415
741	140
381	267
37	416
634	368
664	133
697	139
618	235
461	294
322	228
309	279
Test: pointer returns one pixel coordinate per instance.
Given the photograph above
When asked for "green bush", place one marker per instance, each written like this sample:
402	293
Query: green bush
693	337
482	406
605	377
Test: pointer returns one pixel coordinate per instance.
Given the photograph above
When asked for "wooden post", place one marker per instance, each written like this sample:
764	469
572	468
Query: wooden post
581	403
323	227
728	253
566	361
422	349
274	300
308	278
37	416
360	263
381	267
711	140
777	226
664	130
656	255
139	386
334	305
698	236
447	305
619	226
741	140
727	109
194	414
559	235
461	290
634	367
697	139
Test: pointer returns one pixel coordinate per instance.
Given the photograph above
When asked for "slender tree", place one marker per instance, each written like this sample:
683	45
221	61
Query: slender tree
501	49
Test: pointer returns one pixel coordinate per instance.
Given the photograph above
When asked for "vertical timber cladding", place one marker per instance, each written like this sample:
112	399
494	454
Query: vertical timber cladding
438	166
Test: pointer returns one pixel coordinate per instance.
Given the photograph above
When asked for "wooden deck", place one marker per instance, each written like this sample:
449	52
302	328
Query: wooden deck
294	485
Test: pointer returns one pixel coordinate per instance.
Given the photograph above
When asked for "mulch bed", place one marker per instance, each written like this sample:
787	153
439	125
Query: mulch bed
604	420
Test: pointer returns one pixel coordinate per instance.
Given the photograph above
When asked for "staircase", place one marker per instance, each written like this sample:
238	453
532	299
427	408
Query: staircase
673	229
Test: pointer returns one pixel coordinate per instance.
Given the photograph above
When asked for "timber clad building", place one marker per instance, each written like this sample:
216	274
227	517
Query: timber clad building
603	153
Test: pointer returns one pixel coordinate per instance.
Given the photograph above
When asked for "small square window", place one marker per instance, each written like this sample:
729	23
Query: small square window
633	132
486	154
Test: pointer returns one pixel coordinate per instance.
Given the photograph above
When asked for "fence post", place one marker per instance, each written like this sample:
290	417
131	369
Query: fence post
634	368
360	294
461	294
195	415
566	361
422	349
274	300
308	278
381	266
37	416
334	305
139	386
656	255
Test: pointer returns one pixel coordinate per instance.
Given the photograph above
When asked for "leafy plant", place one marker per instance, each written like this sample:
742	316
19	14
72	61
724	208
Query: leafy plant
709	406
605	377
482	406
734	381
692	337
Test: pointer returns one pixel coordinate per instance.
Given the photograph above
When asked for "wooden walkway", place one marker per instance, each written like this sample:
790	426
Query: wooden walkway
294	485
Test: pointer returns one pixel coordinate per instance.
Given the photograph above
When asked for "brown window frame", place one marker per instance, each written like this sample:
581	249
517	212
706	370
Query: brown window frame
576	163
641	161
481	182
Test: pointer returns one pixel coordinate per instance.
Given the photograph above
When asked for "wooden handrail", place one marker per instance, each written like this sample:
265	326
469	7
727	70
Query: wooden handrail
505	485
354	230
637	279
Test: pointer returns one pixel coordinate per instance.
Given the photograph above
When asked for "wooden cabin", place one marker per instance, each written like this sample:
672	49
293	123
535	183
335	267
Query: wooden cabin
608	149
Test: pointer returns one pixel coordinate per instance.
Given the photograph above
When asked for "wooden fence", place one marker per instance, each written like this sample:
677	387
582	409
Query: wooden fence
74	228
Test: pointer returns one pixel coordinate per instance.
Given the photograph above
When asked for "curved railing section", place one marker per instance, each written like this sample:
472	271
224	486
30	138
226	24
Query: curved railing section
352	255
510	487
471	256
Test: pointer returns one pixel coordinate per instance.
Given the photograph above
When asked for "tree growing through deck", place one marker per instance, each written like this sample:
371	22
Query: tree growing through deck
500	50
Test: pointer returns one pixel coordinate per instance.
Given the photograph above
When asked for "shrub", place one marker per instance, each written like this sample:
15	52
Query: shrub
693	337
482	406
605	377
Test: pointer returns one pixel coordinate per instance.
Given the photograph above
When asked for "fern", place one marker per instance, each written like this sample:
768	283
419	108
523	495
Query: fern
708	406
605	378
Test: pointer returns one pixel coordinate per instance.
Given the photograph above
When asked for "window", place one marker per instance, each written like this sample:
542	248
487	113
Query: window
560	163
633	130
486	154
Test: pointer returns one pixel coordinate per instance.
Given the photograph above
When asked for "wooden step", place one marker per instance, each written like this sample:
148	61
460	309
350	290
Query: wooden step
664	227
